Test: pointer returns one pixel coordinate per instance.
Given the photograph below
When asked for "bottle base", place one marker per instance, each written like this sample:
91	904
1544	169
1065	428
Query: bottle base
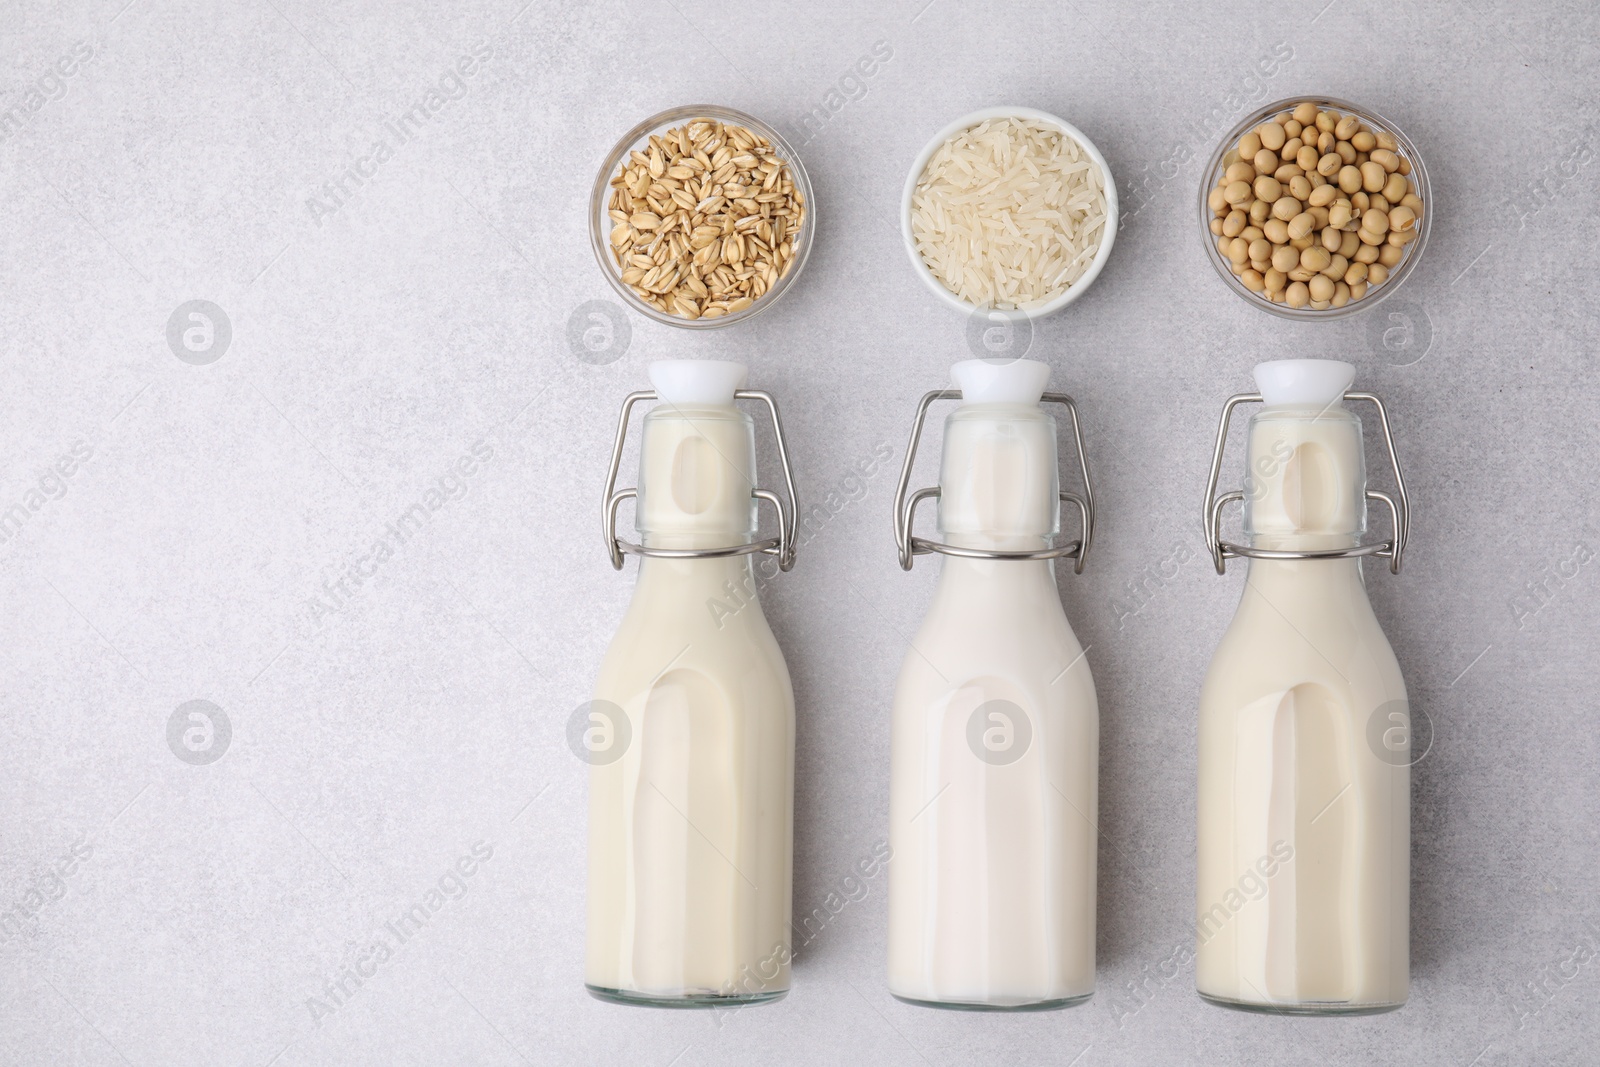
1325	1007
966	1005
707	999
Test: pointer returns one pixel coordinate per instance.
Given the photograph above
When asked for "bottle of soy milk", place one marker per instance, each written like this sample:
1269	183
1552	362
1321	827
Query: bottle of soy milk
691	805
994	763
1304	807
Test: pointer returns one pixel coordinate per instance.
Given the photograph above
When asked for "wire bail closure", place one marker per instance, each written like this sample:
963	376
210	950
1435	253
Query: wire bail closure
905	508
782	546
1399	513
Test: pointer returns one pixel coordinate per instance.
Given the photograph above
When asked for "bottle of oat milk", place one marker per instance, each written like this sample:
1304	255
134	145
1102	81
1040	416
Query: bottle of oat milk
994	760
691	812
1304	805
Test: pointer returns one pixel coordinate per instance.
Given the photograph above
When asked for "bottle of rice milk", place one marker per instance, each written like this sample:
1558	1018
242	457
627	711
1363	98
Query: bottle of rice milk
1304	806
691	801
994	764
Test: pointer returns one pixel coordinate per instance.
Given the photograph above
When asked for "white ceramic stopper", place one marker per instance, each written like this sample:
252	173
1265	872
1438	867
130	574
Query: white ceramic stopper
1001	381
697	382
1303	382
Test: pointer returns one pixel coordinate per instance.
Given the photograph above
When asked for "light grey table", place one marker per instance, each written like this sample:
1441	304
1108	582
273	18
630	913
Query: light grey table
207	529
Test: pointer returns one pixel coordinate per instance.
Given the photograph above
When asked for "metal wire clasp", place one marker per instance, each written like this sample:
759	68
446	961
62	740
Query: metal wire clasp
905	509
1399	514
782	546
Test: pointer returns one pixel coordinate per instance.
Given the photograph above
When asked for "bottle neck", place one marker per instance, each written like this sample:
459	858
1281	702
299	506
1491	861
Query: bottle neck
990	592
996	572
1300	593
997	482
1296	574
714	591
1305	484
696	475
664	572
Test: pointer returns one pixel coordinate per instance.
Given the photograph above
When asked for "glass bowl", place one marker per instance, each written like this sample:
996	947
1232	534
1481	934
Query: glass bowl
1227	152
600	223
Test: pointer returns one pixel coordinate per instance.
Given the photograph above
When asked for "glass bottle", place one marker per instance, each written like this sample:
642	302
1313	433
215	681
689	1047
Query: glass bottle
1304	780
691	807
994	775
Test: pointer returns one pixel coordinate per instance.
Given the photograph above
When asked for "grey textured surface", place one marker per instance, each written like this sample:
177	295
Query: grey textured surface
374	342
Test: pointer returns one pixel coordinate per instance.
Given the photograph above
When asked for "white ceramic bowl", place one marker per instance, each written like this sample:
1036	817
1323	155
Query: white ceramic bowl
1073	291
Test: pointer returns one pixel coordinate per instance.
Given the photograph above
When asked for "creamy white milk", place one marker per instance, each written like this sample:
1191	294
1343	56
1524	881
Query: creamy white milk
1304	828
691	830
994	763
